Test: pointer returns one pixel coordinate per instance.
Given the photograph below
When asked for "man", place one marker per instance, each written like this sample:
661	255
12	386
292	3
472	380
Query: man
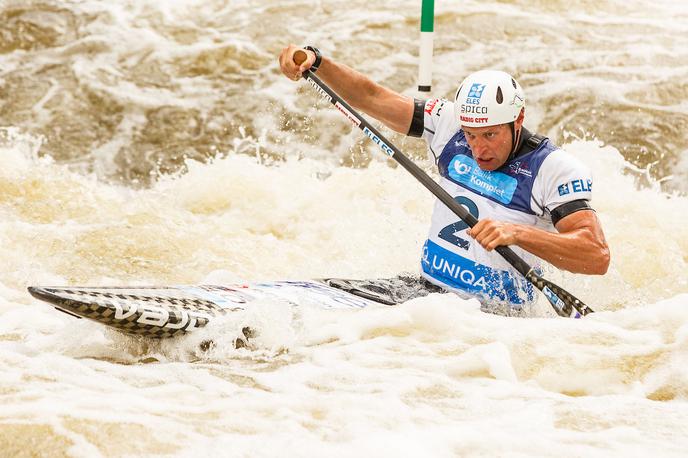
528	193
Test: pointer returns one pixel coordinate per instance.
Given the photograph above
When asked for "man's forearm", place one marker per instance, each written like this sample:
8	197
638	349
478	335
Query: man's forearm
578	251
391	108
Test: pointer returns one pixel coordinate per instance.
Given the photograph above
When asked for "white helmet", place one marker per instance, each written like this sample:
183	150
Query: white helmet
488	98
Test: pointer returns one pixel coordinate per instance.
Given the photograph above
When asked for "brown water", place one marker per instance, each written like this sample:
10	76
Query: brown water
130	89
151	142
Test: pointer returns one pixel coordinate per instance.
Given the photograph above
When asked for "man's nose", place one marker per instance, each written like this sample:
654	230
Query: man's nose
478	146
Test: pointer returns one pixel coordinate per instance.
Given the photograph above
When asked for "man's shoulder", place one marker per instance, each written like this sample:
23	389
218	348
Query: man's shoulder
439	114
557	159
548	157
436	106
439	125
564	177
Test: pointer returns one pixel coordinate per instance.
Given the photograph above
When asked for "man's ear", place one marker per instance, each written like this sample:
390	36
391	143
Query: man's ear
519	121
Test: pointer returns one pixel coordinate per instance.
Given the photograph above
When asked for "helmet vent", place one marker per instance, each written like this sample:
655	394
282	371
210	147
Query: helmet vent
458	92
513	81
500	96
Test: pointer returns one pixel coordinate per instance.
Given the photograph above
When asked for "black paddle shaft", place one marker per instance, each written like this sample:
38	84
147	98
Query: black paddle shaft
563	302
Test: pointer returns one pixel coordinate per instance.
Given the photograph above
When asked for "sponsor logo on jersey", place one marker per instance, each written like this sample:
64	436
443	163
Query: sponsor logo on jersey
440	261
434	106
461	273
579	185
520	168
497	185
431	105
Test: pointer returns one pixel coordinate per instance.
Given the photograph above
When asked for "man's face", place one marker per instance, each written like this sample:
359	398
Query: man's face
490	145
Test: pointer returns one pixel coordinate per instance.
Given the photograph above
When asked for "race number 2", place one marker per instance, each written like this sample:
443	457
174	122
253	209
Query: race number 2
448	232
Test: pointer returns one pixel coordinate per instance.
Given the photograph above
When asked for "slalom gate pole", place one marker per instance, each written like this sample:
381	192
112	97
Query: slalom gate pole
427	22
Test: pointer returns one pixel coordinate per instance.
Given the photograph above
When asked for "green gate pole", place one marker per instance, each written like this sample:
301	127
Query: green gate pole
427	22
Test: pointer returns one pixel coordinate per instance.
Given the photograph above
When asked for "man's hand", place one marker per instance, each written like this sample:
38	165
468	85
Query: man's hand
578	246
287	65
491	234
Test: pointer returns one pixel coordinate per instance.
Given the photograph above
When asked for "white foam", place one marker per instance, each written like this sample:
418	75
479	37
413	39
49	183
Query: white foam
432	377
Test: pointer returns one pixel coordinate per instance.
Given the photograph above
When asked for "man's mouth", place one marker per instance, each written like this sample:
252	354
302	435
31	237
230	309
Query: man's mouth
482	162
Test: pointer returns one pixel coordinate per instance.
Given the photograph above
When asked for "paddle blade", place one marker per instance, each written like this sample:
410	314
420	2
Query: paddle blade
564	303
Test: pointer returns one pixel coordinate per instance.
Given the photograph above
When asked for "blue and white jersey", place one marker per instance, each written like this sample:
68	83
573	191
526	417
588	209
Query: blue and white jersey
523	191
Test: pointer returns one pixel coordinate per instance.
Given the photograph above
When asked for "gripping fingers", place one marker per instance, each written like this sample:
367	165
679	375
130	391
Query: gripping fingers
287	64
483	236
491	241
491	234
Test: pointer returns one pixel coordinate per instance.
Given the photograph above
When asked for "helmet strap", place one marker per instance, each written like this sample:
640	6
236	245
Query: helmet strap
515	141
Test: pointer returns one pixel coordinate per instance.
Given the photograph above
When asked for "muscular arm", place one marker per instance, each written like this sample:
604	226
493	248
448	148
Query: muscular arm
391	108
578	247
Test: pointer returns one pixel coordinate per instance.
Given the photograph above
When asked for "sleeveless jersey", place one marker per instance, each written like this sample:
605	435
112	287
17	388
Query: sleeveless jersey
523	191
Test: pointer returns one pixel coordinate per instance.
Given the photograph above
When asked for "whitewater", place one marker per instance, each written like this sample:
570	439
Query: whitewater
156	143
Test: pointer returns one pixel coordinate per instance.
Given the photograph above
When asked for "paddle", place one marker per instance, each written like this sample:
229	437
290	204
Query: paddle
564	303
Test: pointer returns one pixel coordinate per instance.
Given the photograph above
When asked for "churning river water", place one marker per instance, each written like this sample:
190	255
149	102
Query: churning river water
150	142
